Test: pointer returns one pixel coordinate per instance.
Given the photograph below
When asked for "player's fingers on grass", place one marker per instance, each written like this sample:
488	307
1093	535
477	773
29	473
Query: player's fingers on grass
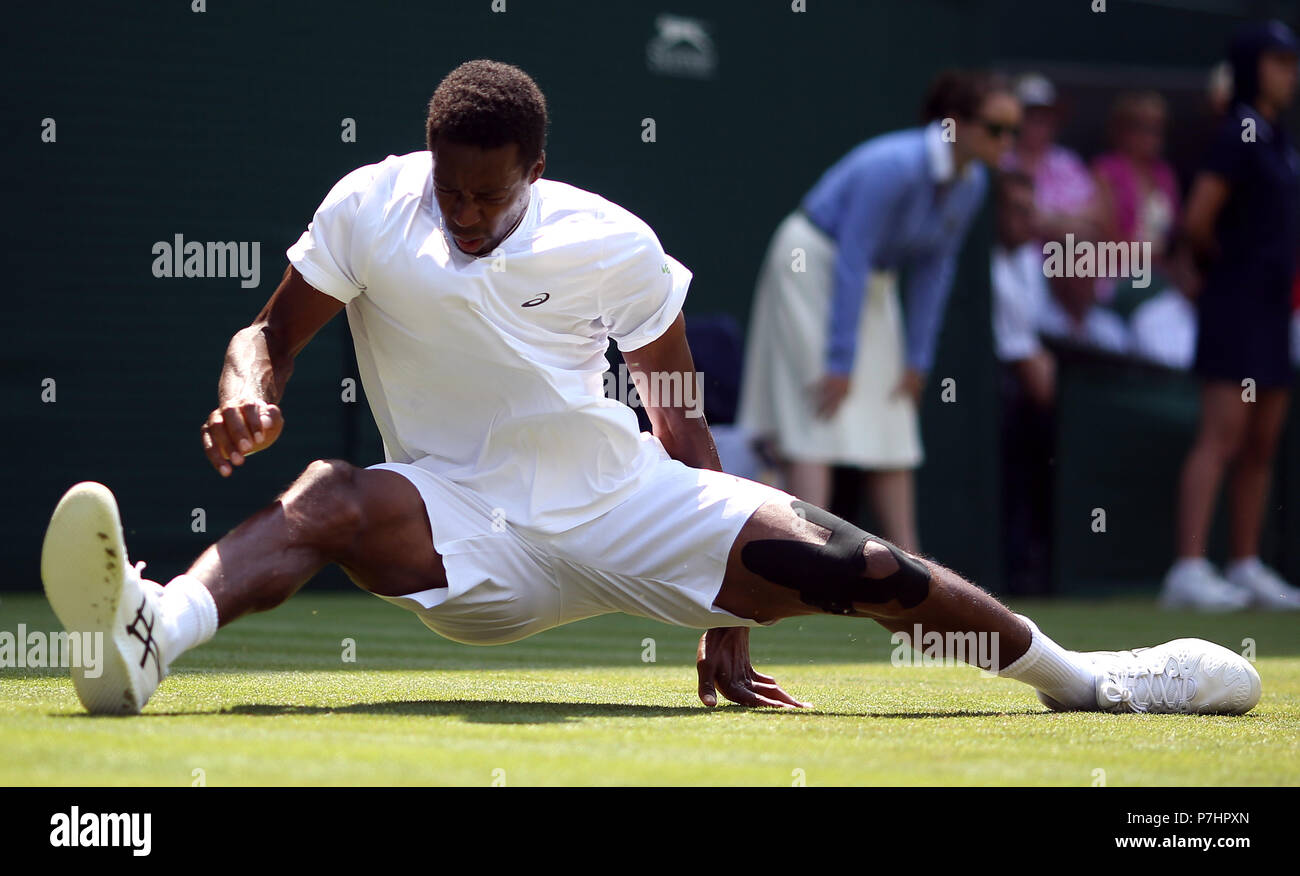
744	696
708	695
774	692
738	688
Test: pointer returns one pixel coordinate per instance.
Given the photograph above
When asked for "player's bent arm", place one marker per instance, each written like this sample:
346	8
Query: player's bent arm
664	373
259	361
722	659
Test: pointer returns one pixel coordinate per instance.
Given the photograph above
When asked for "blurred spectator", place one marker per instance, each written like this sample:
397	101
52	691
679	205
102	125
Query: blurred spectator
1218	88
1242	217
1026	387
1138	190
832	375
1164	326
1019	289
1064	192
1072	314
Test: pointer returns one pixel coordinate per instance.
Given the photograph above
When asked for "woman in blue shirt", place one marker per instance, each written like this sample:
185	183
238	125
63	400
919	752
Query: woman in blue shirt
831	375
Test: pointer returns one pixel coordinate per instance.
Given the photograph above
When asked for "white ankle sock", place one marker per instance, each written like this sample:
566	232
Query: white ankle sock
1065	676
189	615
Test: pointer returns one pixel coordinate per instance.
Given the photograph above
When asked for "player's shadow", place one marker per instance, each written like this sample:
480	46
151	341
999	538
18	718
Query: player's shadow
533	712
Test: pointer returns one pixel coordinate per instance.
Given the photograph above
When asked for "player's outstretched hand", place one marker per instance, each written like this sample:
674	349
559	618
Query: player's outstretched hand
722	661
238	429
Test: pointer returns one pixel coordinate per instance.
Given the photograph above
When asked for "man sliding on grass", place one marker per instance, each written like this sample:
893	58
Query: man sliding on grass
516	496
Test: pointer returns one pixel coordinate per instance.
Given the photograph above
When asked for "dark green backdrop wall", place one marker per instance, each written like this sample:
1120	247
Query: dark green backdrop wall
225	125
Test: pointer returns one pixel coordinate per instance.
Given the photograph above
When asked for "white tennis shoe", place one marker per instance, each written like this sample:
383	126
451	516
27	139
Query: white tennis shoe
93	588
1185	676
1266	588
1196	584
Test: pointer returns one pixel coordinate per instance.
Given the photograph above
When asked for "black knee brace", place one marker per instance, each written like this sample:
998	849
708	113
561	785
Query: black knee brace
831	576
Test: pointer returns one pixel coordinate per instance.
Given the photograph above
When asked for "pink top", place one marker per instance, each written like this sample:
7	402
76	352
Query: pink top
1062	183
1140	215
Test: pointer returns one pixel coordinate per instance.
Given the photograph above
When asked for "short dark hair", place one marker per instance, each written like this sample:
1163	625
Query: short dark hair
489	104
960	93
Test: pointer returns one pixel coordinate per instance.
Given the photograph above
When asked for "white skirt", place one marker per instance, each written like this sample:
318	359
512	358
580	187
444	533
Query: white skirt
786	353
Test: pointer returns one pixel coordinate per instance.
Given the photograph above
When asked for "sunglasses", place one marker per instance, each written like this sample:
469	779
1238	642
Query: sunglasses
999	130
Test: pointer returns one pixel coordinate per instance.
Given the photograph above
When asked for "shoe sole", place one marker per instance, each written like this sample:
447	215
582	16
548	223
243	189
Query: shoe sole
83	569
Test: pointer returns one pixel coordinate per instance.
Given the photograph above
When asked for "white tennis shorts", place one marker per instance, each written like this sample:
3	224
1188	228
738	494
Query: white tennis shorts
661	554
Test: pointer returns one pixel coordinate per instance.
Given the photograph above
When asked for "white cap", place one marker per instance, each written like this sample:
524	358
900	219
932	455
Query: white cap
1035	89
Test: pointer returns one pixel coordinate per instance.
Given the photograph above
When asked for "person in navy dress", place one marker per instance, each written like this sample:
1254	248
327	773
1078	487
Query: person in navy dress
1242	217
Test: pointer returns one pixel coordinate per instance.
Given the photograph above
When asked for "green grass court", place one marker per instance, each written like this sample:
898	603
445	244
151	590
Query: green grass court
271	702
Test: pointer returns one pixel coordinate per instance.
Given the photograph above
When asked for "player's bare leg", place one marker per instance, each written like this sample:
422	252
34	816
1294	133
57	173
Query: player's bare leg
371	523
795	559
951	604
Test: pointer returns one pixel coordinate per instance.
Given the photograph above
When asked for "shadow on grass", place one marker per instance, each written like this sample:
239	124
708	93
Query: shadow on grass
525	712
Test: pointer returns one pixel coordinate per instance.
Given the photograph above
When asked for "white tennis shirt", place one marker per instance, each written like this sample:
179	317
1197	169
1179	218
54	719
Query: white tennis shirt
488	370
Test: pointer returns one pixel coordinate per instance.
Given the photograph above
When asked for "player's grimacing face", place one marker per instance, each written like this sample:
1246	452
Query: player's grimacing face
482	193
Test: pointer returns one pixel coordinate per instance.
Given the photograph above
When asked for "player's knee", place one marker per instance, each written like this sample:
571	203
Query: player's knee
851	568
880	560
325	504
895	576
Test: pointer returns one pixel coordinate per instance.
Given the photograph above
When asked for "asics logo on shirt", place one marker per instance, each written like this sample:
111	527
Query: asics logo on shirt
540	299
